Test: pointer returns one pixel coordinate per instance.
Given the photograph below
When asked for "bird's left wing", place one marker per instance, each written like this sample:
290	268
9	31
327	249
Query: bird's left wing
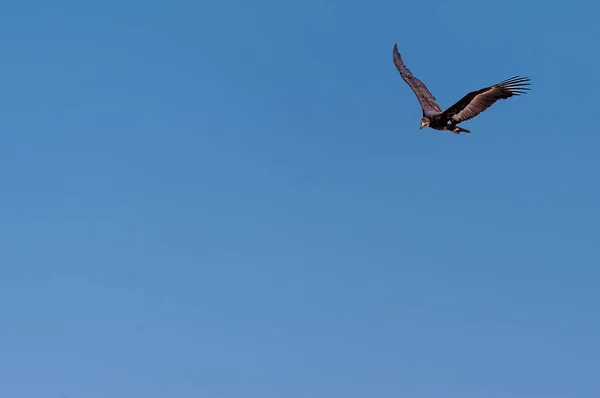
478	101
426	99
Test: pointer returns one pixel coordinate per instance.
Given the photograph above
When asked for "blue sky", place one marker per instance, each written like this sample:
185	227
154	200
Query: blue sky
235	200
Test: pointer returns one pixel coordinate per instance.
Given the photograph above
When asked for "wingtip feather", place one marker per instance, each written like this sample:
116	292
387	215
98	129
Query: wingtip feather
516	85
396	55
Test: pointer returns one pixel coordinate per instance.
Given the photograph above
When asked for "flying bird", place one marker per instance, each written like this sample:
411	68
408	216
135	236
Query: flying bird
467	108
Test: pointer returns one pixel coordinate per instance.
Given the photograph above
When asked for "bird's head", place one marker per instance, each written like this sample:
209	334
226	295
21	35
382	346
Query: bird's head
424	122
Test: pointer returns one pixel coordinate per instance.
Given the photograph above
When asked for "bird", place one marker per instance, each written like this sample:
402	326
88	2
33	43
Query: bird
466	108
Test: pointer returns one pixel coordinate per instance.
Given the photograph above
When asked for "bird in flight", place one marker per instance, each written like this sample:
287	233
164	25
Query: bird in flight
467	108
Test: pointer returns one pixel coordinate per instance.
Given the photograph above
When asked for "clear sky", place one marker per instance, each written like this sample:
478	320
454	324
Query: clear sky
234	200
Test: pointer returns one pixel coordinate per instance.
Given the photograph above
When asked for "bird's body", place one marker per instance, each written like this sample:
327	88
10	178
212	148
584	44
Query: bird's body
468	107
439	121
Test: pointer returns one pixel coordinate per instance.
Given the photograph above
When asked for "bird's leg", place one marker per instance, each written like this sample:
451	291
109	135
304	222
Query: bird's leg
458	130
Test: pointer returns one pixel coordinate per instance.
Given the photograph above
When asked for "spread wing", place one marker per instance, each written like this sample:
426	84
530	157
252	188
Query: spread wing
427	101
478	101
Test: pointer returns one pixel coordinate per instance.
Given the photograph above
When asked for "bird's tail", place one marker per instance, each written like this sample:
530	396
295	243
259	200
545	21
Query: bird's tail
458	130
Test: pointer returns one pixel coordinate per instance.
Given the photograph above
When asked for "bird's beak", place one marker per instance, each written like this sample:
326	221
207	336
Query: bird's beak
422	125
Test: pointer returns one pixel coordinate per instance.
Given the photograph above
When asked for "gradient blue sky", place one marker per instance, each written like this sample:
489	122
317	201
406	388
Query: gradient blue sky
234	200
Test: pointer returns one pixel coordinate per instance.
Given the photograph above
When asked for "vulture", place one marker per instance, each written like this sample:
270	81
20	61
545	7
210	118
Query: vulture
467	108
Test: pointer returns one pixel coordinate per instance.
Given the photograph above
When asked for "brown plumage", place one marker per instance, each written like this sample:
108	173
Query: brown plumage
467	108
426	99
478	101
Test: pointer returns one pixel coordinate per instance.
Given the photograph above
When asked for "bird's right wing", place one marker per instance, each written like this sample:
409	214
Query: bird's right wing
426	99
